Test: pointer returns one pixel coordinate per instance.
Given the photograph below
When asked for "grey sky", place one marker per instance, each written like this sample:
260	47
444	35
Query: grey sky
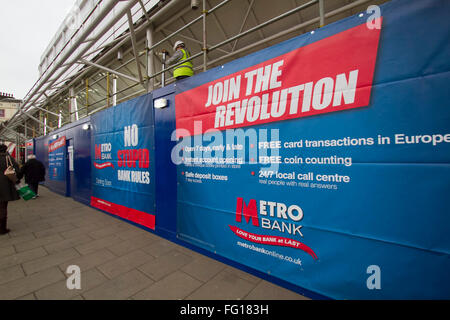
26	29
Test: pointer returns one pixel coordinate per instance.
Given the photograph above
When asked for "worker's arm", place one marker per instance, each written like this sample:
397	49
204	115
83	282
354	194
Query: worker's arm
175	58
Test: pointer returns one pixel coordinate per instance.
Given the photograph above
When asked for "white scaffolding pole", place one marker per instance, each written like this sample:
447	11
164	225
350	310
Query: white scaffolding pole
73	105
59	119
114	91
150	58
45	126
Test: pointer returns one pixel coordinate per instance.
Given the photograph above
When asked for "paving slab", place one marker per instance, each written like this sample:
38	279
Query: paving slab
203	269
53	230
125	263
133	243
7	251
98	244
89	261
8	240
59	291
165	264
11	274
67	243
175	286
50	260
117	260
120	288
224	286
36	243
18	288
22	257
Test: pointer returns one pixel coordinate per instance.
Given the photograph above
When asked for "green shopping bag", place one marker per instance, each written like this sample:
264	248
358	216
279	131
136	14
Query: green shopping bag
24	191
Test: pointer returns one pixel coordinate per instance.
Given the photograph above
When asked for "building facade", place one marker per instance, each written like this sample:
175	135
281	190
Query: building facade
8	106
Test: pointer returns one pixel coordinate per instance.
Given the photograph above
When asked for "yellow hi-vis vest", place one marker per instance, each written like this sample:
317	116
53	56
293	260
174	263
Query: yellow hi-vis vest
184	69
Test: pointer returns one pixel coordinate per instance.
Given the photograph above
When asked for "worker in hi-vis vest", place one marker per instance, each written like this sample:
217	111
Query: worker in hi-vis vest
183	70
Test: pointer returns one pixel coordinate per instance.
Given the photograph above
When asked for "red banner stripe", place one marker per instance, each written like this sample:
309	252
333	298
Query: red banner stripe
272	240
352	51
103	165
55	145
142	218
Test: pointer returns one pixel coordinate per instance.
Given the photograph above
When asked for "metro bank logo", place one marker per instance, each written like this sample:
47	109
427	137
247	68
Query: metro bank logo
285	220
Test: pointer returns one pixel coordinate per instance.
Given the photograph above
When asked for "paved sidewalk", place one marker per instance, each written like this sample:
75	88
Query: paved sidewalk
117	260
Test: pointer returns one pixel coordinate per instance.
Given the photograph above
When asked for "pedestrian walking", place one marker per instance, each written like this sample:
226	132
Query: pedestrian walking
8	190
34	172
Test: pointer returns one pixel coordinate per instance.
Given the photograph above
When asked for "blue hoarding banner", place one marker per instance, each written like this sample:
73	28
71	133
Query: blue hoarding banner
325	160
123	164
57	159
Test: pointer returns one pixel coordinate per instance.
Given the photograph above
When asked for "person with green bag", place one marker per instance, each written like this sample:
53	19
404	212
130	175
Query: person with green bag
25	191
8	190
34	172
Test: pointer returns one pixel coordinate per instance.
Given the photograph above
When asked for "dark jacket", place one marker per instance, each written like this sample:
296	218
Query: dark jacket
8	191
33	170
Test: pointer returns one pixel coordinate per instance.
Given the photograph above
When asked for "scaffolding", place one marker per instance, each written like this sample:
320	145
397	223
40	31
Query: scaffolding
109	51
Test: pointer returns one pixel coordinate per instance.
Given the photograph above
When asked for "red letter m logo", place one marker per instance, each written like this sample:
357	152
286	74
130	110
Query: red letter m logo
98	152
250	211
